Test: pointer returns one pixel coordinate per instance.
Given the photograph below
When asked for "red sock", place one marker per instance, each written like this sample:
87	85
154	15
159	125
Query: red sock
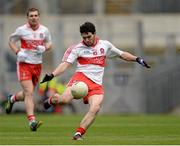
31	118
55	98
81	130
13	98
50	100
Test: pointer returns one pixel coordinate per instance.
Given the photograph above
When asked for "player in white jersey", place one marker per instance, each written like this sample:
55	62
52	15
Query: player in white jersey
35	39
90	55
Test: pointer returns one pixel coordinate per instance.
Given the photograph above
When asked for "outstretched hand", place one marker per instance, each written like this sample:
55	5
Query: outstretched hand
142	62
47	78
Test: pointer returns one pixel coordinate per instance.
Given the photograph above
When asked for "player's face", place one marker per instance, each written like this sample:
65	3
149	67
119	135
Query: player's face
33	18
88	38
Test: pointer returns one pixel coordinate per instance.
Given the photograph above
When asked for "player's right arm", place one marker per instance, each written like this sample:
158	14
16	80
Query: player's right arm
58	71
13	47
61	68
69	57
14	37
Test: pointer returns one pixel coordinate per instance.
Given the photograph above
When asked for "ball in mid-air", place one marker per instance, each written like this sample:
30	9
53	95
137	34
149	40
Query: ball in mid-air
79	90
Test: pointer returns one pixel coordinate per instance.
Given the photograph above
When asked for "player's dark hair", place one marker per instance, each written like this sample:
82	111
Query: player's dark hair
32	10
87	27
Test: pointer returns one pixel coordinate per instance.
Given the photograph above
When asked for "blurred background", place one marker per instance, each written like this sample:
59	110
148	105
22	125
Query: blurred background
148	28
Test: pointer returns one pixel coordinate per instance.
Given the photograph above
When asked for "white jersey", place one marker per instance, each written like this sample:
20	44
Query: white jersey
29	40
91	60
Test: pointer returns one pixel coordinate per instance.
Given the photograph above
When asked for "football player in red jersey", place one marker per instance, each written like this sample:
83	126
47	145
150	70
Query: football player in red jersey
35	39
90	54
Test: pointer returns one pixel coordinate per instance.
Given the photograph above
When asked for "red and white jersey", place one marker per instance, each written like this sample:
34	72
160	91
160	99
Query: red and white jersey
30	39
91	60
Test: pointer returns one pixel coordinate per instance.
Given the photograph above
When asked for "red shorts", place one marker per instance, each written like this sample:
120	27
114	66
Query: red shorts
93	87
26	71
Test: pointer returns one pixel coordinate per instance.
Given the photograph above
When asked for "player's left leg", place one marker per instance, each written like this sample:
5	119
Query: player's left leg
95	102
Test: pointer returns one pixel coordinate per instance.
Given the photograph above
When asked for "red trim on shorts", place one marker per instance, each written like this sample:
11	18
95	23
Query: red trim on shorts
94	88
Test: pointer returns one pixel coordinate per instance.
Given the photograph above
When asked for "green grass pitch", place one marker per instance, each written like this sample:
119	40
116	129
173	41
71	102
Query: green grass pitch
106	130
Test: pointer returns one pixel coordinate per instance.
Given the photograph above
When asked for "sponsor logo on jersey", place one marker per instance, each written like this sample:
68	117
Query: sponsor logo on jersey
86	52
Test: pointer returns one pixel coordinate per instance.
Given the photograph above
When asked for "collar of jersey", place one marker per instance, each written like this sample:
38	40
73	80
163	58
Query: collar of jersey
28	25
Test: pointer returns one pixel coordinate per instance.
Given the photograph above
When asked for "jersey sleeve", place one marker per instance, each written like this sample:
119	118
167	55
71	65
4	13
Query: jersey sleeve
70	55
16	36
113	51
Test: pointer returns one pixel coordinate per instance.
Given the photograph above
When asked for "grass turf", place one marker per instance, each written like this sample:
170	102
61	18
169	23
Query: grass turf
107	130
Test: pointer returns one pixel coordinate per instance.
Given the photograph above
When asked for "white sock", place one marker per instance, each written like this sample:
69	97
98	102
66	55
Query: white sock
12	99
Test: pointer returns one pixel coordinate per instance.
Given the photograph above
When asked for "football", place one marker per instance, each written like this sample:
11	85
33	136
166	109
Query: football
79	90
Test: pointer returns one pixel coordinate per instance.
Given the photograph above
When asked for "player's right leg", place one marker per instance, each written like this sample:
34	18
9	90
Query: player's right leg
65	98
28	89
11	99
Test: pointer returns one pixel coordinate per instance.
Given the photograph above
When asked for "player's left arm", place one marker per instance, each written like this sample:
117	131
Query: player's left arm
48	46
130	57
127	56
48	41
